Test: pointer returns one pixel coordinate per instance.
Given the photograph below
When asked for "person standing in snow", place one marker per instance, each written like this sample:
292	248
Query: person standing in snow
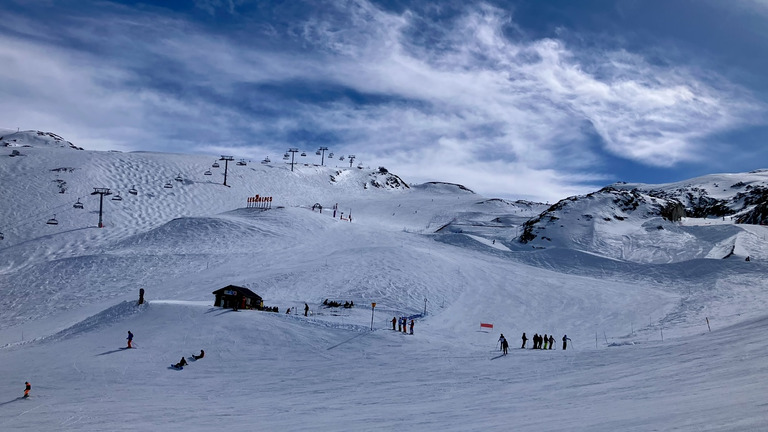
565	341
551	341
535	340
545	340
394	320
399	324
405	324
306	309
130	339
502	339
504	346
27	388
525	339
411	325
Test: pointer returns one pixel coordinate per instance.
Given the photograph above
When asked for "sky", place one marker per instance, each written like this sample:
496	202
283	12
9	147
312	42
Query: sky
513	99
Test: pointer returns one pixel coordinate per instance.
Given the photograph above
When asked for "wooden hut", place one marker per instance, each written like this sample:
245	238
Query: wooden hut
236	297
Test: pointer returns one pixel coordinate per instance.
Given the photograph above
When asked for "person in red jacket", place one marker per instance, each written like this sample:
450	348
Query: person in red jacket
27	389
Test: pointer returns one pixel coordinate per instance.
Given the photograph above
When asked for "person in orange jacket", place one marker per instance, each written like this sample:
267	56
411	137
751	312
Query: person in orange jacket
27	389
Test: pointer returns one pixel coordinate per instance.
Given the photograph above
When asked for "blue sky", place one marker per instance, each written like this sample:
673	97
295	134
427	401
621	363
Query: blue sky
515	99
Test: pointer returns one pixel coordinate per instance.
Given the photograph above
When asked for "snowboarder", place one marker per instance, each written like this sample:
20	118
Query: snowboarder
565	339
130	339
411	325
546	339
502	339
504	346
198	357
394	320
306	309
181	363
525	339
551	341
27	388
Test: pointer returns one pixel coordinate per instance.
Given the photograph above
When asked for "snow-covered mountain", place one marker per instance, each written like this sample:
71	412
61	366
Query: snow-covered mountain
657	223
630	280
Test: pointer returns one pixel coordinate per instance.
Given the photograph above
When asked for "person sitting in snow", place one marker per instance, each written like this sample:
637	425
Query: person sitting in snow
198	357
181	363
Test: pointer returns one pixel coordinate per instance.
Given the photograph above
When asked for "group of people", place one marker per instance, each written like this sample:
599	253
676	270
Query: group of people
333	303
402	324
539	342
183	361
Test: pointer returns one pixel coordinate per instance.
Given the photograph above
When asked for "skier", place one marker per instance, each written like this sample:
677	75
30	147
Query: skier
411	325
565	339
551	341
525	339
130	339
181	363
504	346
546	339
198	357
27	389
394	320
502	339
306	309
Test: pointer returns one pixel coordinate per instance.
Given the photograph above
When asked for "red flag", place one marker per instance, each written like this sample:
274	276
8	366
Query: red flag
486	325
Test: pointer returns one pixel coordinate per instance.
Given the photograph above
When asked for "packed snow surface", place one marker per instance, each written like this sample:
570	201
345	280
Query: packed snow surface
641	356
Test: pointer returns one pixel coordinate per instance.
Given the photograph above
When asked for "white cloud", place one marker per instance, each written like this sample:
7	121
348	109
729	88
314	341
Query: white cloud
504	117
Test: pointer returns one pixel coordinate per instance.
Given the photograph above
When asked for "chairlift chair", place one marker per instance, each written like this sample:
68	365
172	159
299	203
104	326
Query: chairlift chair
266	160
179	178
1	236
78	204
241	162
208	172
52	221
117	197
303	153
215	164
330	155
133	191
168	185
341	158
318	153
360	165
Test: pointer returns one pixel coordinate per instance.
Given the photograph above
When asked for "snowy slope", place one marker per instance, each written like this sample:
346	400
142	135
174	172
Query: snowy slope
69	294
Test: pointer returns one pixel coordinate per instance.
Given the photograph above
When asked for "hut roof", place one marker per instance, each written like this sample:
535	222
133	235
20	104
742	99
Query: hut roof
240	290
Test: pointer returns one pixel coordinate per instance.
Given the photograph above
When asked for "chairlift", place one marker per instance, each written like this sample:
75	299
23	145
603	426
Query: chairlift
330	155
78	204
266	160
168	185
360	165
117	197
241	162
52	221
208	173
318	153
133	191
215	164
179	178
1	236
341	158
303	153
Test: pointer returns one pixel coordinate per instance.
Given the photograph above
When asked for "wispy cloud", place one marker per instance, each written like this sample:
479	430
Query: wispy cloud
516	118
